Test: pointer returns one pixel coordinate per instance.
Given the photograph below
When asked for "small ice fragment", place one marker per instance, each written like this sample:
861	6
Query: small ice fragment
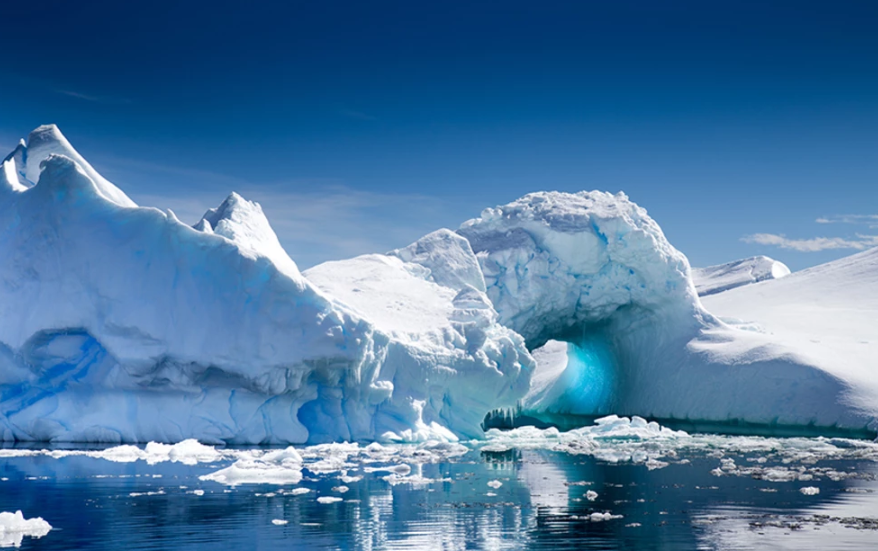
495	484
810	490
198	492
279	522
600	517
340	489
14	527
591	495
328	499
299	491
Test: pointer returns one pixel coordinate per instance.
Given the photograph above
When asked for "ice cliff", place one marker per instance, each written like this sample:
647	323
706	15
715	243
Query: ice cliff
122	323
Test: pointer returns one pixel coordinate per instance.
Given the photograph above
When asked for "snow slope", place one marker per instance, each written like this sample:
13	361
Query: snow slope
716	279
453	328
593	270
120	323
827	315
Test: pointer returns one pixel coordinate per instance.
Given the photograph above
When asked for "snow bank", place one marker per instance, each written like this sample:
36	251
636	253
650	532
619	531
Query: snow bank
823	316
122	324
14	527
716	279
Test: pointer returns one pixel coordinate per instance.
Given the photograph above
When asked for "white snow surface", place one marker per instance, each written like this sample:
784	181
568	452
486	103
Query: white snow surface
824	316
468	355
723	277
122	324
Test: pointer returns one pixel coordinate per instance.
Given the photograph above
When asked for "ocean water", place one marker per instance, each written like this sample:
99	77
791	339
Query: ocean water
519	490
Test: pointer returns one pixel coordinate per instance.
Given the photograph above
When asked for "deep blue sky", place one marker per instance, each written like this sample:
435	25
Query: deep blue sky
362	125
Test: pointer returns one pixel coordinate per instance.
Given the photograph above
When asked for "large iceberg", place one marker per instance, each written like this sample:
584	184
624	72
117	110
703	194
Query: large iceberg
610	309
120	323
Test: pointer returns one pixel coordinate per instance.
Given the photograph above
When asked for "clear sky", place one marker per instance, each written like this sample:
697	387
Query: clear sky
744	127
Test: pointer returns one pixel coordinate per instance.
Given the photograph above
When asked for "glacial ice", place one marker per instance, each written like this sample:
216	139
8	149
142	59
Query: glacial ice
594	271
723	277
120	324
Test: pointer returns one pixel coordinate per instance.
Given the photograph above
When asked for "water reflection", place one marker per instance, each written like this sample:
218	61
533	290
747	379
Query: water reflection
541	503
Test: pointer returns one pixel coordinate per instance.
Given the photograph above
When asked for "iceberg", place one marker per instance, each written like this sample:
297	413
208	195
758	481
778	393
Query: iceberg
120	323
723	277
123	324
609	308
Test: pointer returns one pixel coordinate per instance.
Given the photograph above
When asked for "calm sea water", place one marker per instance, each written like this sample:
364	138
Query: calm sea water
542	502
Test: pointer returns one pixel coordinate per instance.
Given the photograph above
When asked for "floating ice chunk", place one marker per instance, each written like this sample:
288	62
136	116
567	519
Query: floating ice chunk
255	472
286	456
14	527
328	499
279	522
299	491
601	517
340	489
495	484
414	480
188	452
591	495
810	490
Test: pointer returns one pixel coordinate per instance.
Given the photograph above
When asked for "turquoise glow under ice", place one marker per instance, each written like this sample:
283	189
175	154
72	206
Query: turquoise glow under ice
589	377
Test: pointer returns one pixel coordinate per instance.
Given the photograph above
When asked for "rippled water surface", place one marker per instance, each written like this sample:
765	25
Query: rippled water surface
515	491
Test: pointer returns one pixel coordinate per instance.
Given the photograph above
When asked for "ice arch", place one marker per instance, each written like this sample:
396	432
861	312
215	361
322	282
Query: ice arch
553	262
594	270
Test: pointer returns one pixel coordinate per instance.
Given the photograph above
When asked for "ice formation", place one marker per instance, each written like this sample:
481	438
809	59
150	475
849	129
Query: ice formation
14	528
123	324
723	277
593	273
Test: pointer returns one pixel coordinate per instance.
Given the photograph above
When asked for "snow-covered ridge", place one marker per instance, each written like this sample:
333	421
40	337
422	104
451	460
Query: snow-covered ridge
25	163
723	277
